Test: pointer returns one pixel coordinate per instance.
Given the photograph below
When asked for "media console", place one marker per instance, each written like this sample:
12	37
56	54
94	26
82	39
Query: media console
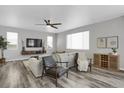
31	52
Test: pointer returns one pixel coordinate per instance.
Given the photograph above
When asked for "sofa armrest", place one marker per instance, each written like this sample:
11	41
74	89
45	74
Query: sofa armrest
36	67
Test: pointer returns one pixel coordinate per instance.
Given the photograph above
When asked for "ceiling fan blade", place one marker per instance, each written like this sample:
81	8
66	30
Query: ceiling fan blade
57	24
46	21
53	26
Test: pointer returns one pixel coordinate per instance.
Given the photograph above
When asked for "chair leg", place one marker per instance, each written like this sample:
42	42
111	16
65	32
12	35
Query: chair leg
42	74
76	67
56	82
67	74
90	67
90	64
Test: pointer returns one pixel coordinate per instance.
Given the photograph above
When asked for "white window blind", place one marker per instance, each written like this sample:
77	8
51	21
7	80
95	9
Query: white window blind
12	39
49	42
78	40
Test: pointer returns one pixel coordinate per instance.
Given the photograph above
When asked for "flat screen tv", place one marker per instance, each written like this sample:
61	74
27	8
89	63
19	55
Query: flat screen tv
33	42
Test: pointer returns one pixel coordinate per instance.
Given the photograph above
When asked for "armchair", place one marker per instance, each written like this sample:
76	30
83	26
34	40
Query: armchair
51	69
82	62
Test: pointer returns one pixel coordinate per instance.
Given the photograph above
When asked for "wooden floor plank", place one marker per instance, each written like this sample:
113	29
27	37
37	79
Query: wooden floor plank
15	75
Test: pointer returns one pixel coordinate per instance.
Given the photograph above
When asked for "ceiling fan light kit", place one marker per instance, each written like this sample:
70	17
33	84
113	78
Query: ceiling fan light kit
48	25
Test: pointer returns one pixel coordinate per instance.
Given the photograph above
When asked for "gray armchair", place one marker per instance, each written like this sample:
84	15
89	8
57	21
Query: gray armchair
51	69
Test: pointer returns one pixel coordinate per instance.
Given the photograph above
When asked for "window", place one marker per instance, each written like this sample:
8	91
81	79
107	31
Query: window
12	38
78	40
49	42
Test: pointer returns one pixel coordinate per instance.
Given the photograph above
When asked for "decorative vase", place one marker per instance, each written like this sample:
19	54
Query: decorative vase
114	53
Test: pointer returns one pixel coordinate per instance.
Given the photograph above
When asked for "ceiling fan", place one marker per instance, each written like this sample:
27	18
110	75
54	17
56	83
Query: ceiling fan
48	23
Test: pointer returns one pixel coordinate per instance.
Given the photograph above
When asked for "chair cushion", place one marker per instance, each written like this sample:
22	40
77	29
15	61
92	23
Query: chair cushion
82	56
60	71
49	61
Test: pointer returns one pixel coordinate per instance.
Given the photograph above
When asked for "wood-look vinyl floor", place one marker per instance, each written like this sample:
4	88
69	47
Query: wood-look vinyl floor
16	75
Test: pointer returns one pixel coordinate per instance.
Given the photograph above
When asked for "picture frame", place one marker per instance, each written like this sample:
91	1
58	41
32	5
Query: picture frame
112	42
101	42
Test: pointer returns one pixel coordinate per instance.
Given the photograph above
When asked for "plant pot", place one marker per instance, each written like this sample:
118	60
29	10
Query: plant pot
114	53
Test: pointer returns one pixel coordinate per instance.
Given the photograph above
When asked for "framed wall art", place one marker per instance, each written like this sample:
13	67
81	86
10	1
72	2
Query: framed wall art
112	42
101	42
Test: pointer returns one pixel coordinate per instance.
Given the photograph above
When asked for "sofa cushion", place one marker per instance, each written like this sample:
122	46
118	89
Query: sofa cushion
49	61
63	57
32	60
71	59
82	56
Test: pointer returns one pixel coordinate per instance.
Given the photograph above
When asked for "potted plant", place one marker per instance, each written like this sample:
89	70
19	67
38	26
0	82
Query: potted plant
3	45
114	50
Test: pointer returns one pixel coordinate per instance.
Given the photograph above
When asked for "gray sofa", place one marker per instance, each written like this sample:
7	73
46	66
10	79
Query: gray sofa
65	57
36	66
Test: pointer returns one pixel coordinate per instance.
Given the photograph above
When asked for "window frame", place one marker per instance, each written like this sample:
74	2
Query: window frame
8	48
82	40
48	42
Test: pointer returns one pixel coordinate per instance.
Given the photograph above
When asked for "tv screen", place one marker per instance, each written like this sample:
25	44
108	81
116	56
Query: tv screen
33	42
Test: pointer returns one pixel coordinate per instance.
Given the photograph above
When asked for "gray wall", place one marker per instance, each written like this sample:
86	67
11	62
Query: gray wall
114	27
23	34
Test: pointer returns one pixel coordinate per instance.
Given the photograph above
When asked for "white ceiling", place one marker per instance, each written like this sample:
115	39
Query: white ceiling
70	16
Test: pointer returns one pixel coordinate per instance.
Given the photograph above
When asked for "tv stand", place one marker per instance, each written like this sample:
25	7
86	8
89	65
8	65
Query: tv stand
31	52
107	61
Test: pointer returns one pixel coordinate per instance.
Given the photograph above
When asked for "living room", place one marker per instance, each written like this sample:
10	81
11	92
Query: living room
32	33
